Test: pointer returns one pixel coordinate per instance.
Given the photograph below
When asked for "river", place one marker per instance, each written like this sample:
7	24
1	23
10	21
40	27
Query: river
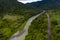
20	35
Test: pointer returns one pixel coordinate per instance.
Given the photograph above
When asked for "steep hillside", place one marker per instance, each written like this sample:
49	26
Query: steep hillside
13	6
39	27
13	16
46	4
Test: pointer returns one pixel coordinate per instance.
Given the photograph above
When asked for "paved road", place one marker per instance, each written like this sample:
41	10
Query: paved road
20	35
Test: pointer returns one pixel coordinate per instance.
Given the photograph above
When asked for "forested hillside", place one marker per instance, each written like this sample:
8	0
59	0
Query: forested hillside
39	27
46	4
13	16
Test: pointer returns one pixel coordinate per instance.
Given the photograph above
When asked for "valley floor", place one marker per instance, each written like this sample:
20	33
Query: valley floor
38	29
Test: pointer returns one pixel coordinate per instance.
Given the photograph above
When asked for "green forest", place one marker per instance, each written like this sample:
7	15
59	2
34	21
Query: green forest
38	29
14	15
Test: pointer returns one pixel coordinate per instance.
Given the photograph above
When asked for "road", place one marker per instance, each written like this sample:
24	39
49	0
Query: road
20	35
49	25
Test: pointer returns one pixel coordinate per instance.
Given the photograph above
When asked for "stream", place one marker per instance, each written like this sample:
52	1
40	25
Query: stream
20	35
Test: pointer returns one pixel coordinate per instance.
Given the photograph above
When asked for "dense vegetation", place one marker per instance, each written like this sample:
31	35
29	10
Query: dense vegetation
13	16
38	29
46	4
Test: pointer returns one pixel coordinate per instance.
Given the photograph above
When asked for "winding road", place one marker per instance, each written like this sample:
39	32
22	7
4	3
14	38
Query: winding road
20	35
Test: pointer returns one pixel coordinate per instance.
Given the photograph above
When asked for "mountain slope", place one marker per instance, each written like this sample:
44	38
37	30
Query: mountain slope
38	28
13	16
46	4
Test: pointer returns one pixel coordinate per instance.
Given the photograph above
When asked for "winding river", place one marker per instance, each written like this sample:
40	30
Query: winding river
20	35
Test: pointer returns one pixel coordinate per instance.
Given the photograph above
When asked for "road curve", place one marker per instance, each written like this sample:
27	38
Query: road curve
20	35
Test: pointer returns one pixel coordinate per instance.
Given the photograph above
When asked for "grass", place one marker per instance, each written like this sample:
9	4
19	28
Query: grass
13	17
10	24
38	28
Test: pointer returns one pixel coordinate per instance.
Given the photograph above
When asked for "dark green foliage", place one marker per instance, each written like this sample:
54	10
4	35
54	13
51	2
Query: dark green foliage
38	29
54	22
46	4
13	16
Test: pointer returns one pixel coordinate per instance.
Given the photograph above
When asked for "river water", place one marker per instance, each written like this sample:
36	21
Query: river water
20	35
